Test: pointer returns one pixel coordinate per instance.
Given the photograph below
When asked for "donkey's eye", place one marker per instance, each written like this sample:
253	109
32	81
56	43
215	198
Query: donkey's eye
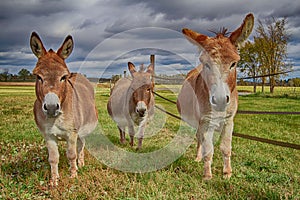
148	90
232	65
39	78
63	78
207	66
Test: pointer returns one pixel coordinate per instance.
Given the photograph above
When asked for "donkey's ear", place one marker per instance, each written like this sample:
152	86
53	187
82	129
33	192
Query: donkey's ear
194	37
131	68
66	48
150	69
36	45
240	35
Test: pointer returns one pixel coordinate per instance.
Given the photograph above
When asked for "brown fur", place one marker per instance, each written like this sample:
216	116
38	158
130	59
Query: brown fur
201	102
78	115
124	102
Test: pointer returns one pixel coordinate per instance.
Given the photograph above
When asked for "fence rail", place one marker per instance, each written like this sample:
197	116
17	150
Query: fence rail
266	112
249	137
240	78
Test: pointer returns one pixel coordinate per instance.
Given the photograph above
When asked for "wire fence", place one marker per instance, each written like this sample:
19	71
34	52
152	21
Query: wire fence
249	137
182	78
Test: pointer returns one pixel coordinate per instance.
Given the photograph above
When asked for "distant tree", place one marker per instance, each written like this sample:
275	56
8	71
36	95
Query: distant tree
242	83
261	44
23	74
4	75
295	82
115	78
272	40
249	64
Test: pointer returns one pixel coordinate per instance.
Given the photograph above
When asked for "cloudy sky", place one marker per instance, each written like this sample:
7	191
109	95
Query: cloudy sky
108	34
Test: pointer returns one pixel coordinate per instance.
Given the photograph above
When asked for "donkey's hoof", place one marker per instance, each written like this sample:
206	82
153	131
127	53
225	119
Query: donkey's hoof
138	148
80	163
123	142
227	175
73	173
207	177
53	182
198	158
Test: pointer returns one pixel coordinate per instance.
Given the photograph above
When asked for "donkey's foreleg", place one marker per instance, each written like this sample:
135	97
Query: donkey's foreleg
207	150
72	153
122	134
202	128
131	134
141	131
80	151
53	160
225	146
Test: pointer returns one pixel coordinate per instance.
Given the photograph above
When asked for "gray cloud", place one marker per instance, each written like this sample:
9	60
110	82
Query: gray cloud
92	22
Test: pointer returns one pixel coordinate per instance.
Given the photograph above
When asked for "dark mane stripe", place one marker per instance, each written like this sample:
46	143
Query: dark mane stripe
222	31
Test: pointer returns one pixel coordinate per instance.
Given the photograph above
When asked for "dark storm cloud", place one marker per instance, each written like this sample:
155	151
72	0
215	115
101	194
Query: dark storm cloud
211	10
192	9
92	22
203	15
13	9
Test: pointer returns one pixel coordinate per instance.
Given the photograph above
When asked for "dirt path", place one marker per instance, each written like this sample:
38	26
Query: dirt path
17	83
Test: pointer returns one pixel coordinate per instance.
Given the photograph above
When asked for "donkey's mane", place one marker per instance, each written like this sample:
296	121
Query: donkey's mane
142	68
222	31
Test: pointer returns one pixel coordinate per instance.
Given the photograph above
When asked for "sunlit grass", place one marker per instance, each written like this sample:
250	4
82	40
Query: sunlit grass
260	171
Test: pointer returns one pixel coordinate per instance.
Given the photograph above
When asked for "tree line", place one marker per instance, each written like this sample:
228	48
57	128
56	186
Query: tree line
22	75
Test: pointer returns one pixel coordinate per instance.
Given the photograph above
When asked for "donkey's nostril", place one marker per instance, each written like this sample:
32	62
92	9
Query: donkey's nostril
227	99
213	100
45	107
141	112
51	105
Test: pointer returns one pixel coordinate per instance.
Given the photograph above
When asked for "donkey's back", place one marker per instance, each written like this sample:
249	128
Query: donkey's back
117	102
85	121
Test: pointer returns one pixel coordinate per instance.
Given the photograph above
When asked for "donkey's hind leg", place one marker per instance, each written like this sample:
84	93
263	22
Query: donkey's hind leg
131	134
199	147
80	151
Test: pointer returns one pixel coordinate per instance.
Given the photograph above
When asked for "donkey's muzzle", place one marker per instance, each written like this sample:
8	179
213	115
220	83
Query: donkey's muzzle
141	112
220	103
51	105
220	97
141	109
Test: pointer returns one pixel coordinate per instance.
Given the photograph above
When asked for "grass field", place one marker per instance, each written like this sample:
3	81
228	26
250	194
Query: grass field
260	171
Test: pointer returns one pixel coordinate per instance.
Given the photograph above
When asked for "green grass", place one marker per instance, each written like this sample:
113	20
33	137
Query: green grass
260	171
284	92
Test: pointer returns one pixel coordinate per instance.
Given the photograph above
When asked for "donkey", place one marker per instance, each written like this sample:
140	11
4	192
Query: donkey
64	108
208	99
132	103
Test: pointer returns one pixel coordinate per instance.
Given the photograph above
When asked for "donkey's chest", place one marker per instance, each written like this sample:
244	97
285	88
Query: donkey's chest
216	120
137	120
58	128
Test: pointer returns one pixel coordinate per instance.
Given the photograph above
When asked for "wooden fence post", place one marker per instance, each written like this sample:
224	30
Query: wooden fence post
152	61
